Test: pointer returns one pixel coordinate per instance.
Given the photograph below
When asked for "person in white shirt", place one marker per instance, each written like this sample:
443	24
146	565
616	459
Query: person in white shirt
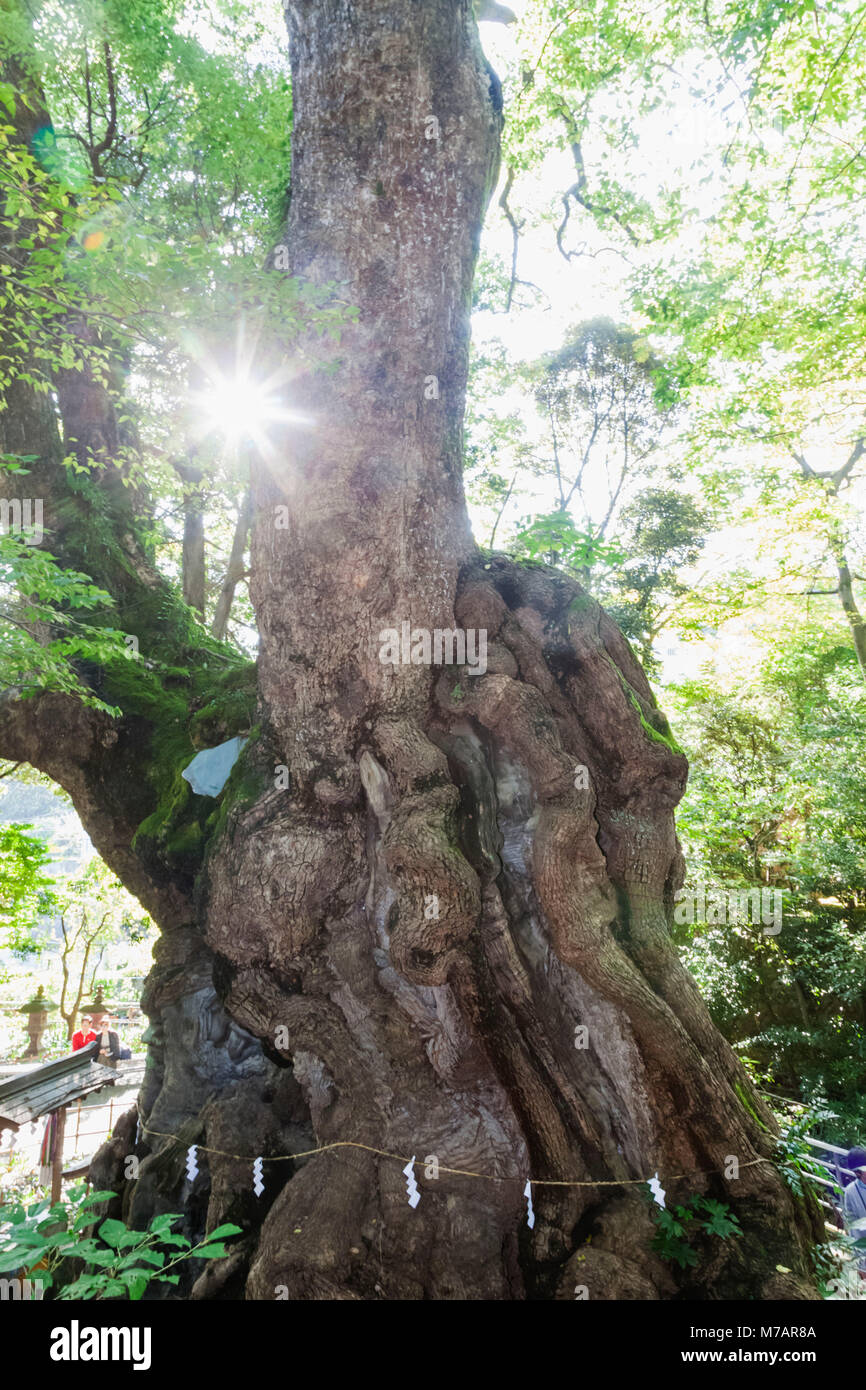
854	1201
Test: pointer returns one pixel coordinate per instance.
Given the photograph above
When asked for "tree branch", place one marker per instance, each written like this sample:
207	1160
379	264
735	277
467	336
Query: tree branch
579	190
99	762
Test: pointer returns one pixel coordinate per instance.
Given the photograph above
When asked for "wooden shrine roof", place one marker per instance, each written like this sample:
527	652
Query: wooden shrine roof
52	1085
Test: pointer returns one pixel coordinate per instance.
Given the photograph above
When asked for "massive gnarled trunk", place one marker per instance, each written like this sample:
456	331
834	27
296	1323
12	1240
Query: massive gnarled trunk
395	950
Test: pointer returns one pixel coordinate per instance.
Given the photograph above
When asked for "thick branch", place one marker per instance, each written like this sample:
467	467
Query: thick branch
99	762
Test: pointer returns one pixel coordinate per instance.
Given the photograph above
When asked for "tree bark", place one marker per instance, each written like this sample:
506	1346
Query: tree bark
235	571
193	550
395	951
416	790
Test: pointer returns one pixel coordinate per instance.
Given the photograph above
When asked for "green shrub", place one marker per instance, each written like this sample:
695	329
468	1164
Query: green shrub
676	1227
35	1241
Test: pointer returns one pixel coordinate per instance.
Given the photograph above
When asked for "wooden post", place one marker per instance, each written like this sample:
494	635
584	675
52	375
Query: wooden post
57	1156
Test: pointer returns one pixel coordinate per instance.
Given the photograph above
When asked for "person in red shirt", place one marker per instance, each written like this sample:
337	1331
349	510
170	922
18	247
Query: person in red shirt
84	1035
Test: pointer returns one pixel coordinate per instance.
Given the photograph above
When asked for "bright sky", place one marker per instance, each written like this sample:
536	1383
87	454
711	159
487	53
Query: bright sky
671	140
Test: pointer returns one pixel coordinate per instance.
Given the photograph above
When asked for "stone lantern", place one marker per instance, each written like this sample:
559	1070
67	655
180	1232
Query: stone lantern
36	1010
97	1005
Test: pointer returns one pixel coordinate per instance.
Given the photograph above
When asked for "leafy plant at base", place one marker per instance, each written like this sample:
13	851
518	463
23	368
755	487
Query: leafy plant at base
677	1224
119	1263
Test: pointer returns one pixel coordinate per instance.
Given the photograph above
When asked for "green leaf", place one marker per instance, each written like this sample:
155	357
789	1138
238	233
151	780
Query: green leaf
113	1232
113	1288
131	1238
148	1257
103	1258
226	1230
163	1223
93	1197
87	1286
721	1225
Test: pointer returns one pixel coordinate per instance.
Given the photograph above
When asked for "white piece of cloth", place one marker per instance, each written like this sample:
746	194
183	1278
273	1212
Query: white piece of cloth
209	770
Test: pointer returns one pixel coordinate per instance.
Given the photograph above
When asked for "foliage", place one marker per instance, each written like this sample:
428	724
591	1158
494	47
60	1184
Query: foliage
40	1239
555	539
797	1158
775	798
663	532
835	1262
602	400
23	886
714	153
677	1226
44	634
139	209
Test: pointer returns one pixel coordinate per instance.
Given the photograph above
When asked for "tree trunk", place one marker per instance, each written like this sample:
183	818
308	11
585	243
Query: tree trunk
193	554
419	924
852	612
235	571
442	939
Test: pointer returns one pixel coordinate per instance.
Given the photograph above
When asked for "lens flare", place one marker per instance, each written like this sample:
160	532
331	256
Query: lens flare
241	409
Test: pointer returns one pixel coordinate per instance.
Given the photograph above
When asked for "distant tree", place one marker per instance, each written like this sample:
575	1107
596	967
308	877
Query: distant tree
662	532
775	797
606	406
604	401
94	911
23	887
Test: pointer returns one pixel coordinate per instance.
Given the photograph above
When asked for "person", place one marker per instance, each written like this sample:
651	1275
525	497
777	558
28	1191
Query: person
109	1043
83	1035
855	1188
854	1201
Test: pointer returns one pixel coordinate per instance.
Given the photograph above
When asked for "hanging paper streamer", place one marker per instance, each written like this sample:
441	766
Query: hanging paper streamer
137	1133
656	1189
530	1213
191	1165
411	1185
258	1182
